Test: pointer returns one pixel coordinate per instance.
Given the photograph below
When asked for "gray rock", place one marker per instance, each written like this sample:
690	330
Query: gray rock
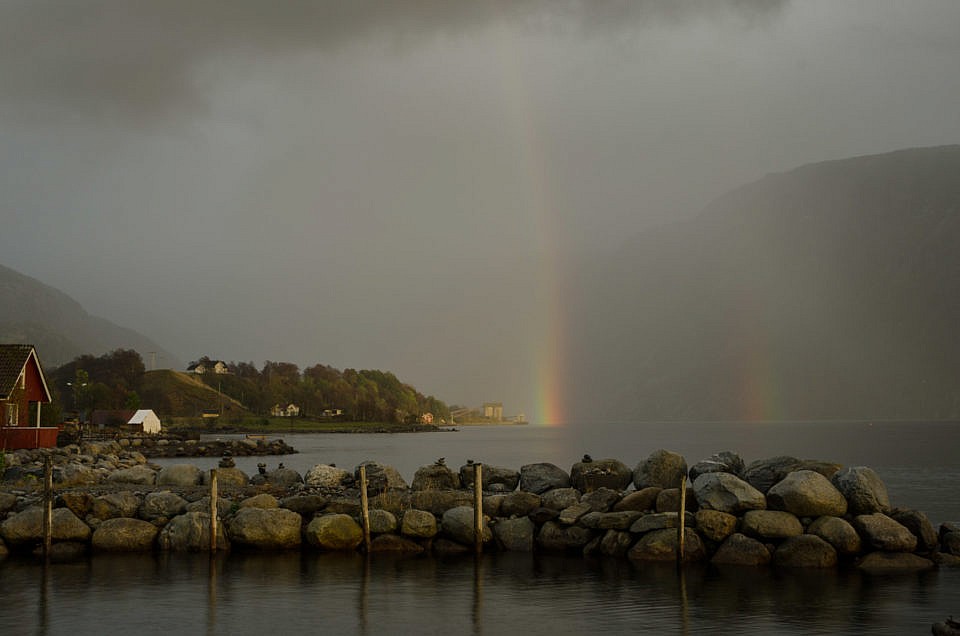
263	500
283	477
805	551
762	474
883	533
770	524
265	529
419	524
539	478
838	533
641	500
382	521
917	523
572	514
560	498
203	505
8	502
555	537
305	505
519	504
663	469
515	535
610	520
714	525
894	561
950	542
179	476
140	475
396	501
435	477
722	462
739	549
115	504
600	499
162	504
393	543
190	532
727	493
659	521
540	516
77	475
439	501
807	493
458	525
27	527
122	534
864	491
495	478
79	502
381	477
327	477
669	500
615	543
226	477
600	473
334	532
661	545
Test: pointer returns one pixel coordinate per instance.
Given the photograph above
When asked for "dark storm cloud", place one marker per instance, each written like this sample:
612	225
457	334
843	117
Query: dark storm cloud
116	58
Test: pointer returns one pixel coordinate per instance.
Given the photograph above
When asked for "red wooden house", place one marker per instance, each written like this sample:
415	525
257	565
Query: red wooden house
22	390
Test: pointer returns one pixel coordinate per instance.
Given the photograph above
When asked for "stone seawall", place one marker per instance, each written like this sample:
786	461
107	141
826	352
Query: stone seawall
780	511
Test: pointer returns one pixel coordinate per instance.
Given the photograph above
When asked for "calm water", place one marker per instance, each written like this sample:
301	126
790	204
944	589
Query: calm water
516	593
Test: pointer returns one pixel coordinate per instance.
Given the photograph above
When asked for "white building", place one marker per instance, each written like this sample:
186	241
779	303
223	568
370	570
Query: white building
145	420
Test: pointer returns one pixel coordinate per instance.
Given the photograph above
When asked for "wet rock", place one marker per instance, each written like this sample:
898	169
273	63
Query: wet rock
457	524
600	473
560	498
739	549
124	535
770	524
163	504
435	477
190	532
394	543
327	477
265	529
883	533
661	545
519	504
722	462
556	537
893	561
727	493
805	551
715	525
642	500
838	533
807	493
515	535
663	469
179	476
539	478
334	532
139	475
864	491
418	524
615	543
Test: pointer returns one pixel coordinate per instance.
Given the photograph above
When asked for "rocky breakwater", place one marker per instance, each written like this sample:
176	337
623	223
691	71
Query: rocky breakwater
171	445
778	512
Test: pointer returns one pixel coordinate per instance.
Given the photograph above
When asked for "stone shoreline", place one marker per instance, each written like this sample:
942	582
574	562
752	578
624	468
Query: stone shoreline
780	511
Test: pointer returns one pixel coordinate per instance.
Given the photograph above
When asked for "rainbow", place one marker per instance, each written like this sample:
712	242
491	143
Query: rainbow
548	355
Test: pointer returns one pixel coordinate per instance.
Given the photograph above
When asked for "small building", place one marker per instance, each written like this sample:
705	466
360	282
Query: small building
23	388
144	421
219	367
198	368
493	411
126	420
426	418
290	410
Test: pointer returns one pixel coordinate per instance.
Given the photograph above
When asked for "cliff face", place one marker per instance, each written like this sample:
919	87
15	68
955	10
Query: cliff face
34	313
831	291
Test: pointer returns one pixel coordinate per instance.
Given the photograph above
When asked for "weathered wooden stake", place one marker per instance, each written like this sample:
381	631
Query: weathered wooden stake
213	510
478	506
47	506
681	520
365	508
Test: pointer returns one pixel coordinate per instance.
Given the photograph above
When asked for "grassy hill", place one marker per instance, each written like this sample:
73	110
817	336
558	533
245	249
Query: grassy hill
177	394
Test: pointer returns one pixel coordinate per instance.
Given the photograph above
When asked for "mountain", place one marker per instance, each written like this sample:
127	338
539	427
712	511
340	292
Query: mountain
828	292
34	313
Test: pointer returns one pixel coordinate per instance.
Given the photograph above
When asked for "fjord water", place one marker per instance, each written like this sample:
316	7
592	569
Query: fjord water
517	593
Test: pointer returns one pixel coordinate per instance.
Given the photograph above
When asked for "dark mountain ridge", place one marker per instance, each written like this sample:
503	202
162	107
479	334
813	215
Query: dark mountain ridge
831	291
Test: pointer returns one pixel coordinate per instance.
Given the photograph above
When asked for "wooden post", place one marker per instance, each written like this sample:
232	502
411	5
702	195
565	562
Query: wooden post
478	506
47	506
213	510
681	518
365	508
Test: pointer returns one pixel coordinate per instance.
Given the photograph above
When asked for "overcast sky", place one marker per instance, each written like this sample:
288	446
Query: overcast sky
405	185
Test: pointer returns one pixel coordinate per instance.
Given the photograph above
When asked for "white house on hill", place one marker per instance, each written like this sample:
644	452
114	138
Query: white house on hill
145	420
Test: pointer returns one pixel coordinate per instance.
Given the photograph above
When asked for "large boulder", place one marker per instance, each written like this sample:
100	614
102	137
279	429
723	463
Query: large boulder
162	505
615	543
714	525
880	562
515	534
334	532
382	521
950	541
883	533
641	500
770	524
263	500
190	532
722	462
739	549
77	475
305	505
79	502
519	504
660	521
396	501
807	493
140	475
727	493
115	504
179	476
27	527
919	524
458	524
571	514
560	498
226	477
265	529
805	551
762	474
283	477
435	477
539	478
661	545
663	469
419	524
122	534
600	499
587	476
864	491
327	477
381	477
495	478
224	506
438	501
838	533
556	537
8	501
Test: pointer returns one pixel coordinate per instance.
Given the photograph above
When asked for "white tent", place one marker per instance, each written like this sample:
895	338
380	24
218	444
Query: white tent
146	420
